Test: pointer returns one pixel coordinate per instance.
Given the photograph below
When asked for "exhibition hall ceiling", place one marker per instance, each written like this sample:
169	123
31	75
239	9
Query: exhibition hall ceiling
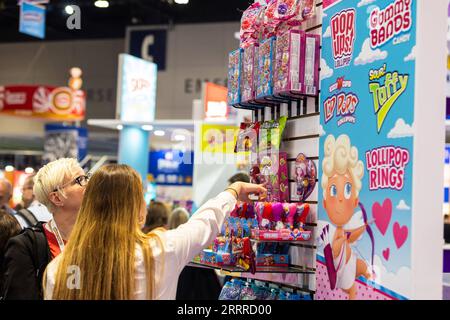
111	22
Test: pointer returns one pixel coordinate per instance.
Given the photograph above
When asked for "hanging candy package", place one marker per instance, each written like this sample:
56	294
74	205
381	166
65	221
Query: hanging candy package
270	24
308	8
249	73
270	134
305	176
264	85
251	24
312	64
289	66
274	173
247	137
231	290
234	77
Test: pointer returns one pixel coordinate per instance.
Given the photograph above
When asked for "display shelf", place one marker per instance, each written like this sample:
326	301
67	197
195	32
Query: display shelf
290	269
303	244
252	278
273	100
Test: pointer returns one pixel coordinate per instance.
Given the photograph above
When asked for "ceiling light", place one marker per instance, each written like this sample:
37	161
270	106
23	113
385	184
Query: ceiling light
29	170
69	9
182	1
101	4
159	133
147	127
9	168
119	127
179	137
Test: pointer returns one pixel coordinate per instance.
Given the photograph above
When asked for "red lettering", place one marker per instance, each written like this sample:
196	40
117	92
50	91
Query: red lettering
400	180
373	180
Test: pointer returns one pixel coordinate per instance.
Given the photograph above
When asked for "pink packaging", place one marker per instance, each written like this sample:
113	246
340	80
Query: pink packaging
274	172
249	74
312	64
281	235
289	62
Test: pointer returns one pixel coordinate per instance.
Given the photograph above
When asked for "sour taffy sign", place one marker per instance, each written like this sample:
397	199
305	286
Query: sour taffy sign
366	148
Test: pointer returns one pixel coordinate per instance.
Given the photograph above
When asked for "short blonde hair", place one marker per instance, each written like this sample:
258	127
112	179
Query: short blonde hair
51	176
178	217
340	157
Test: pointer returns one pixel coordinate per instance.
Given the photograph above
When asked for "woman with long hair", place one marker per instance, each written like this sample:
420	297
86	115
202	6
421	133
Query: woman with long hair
109	257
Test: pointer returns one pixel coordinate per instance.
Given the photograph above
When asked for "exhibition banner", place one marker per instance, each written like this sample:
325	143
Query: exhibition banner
64	142
366	150
45	102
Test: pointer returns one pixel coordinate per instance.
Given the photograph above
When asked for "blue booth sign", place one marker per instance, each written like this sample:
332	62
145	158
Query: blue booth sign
32	20
170	168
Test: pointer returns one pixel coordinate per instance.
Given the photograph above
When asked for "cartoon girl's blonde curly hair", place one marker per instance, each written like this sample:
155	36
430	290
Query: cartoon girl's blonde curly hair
339	158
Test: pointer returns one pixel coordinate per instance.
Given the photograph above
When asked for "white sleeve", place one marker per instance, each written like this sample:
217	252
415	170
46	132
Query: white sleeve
50	273
190	238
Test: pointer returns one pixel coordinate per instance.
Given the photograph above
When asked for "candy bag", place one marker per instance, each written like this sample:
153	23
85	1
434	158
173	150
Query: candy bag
251	25
269	22
247	137
305	176
231	290
308	8
271	133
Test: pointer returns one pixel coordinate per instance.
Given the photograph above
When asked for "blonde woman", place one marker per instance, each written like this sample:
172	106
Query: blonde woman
59	186
342	173
109	257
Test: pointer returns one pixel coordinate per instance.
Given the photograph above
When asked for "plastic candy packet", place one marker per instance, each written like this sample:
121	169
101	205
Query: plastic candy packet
248	292
231	290
271	133
270	23
251	24
308	8
247	137
305	176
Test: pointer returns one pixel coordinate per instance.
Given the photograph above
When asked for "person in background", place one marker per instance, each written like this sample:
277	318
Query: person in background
59	186
178	217
240	176
114	259
194	283
9	227
30	209
6	191
447	228
157	216
27	194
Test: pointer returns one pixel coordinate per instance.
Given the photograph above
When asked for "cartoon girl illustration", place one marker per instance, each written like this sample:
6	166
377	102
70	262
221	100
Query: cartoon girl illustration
341	184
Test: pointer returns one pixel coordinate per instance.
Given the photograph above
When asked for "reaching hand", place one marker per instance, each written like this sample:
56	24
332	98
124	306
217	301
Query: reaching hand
244	191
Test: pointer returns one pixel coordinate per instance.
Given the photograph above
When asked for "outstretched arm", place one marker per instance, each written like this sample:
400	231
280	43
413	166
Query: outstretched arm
355	234
204	225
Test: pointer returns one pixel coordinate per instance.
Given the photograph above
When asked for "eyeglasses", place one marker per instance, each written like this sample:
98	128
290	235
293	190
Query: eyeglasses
80	180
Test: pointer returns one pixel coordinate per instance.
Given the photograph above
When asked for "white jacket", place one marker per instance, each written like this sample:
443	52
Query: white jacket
180	246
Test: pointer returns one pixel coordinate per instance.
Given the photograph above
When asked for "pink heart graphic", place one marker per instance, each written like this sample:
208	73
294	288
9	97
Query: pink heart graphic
400	235
386	253
382	215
